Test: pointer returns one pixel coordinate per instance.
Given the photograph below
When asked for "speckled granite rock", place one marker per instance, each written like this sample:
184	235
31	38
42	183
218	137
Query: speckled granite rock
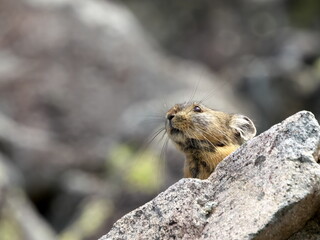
268	189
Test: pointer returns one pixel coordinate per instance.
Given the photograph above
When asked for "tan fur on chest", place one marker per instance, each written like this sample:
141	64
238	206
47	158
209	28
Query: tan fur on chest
205	163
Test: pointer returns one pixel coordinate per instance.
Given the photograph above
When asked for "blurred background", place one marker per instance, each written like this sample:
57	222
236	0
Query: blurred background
85	84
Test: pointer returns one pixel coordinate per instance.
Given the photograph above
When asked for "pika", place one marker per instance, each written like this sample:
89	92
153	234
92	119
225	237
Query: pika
206	136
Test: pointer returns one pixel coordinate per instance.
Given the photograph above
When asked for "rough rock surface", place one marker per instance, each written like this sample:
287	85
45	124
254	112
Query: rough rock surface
268	189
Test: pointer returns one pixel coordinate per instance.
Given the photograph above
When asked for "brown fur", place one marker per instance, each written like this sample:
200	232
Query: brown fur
206	136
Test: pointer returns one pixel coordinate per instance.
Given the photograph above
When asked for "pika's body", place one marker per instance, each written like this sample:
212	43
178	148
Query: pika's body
206	136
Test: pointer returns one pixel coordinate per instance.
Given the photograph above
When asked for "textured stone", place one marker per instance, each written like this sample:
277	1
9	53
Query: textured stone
267	189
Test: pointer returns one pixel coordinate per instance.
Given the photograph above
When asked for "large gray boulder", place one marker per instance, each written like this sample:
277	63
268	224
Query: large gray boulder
268	189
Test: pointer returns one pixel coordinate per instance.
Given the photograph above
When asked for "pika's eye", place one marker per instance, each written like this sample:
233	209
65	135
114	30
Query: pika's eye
197	109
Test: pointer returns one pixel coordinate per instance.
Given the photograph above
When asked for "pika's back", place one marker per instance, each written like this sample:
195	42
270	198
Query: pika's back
206	136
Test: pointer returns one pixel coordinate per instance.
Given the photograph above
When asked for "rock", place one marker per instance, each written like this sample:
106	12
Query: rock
267	189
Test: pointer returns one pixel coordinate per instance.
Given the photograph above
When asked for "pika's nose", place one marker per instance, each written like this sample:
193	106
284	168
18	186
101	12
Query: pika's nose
170	116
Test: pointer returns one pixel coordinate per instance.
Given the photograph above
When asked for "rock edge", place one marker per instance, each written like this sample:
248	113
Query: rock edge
267	189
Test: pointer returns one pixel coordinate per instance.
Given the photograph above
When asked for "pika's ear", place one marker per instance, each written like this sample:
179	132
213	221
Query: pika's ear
243	126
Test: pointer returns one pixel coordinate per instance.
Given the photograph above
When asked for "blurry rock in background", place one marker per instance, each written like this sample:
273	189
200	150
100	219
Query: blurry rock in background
84	85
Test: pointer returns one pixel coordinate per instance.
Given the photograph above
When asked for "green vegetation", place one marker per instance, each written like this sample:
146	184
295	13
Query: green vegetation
140	171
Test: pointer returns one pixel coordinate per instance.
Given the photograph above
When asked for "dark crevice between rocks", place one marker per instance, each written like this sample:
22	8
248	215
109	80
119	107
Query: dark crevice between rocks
317	154
6	148
48	201
311	230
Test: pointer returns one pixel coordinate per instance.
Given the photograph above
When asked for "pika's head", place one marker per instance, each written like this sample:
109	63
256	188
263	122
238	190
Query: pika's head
194	121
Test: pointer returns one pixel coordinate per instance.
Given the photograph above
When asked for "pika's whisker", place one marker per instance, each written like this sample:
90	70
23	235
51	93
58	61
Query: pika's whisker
156	134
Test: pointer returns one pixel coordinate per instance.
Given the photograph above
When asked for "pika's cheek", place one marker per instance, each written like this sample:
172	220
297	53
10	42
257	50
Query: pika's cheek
202	121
